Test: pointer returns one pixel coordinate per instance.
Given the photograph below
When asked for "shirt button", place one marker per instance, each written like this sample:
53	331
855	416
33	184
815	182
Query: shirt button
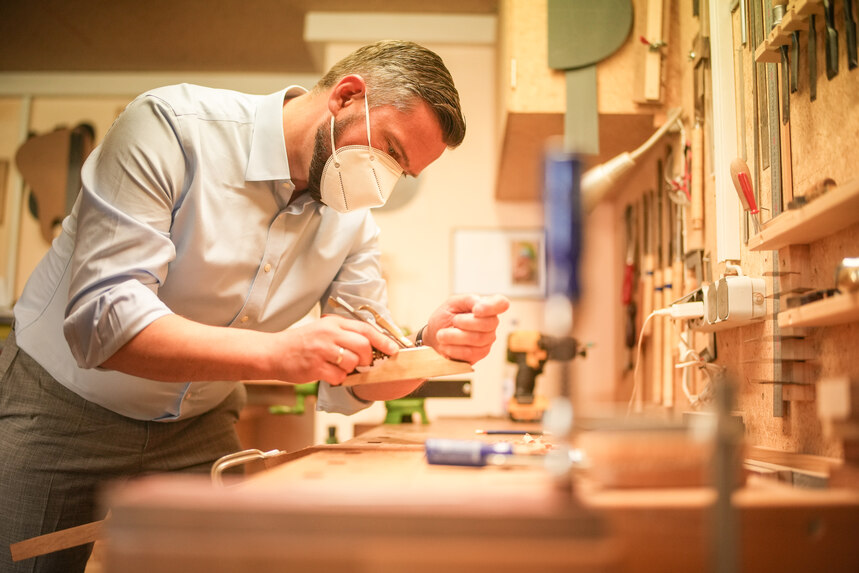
267	267
245	318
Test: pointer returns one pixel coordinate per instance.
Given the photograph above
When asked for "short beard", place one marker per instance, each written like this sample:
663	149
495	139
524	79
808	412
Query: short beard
322	152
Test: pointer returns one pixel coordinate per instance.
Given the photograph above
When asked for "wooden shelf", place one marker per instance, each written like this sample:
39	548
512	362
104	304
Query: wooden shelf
839	309
795	19
825	215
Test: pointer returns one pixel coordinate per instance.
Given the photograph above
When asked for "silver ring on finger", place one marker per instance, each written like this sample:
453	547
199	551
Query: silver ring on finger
340	352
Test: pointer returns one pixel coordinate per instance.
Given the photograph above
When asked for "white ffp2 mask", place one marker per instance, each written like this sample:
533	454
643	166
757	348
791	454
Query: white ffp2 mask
358	176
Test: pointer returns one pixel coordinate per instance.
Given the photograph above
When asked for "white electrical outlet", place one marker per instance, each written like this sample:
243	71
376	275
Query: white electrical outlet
731	302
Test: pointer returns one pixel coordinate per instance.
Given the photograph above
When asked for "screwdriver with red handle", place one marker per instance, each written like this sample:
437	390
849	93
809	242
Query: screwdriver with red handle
742	179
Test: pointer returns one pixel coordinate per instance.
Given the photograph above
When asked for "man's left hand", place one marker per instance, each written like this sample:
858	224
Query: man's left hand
463	327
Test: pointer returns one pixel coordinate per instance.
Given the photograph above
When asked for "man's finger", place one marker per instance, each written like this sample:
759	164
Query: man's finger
458	337
490	305
376	338
472	323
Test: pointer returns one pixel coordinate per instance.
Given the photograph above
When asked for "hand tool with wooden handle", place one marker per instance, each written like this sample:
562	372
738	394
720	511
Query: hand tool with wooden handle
668	294
742	179
794	61
647	262
658	301
629	284
831	39
812	57
850	35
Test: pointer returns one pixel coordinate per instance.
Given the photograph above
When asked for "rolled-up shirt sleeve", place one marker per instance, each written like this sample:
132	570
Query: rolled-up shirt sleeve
130	186
359	282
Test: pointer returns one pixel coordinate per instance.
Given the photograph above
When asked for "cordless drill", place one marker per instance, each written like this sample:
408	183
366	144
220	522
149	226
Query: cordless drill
529	350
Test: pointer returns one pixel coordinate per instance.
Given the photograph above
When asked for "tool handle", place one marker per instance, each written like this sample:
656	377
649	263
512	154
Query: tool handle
441	451
630	333
742	179
647	293
695	235
628	279
748	194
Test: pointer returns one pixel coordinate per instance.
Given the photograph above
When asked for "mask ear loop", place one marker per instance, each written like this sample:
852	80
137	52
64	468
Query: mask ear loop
333	149
367	116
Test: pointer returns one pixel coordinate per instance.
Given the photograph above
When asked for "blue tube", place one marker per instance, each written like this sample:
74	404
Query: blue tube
463	452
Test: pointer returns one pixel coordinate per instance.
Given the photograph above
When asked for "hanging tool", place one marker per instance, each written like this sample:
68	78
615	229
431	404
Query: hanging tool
677	201
629	277
785	85
850	35
794	61
778	10
658	284
695	228
742	179
668	292
831	39
812	57
647	263
679	275
757	22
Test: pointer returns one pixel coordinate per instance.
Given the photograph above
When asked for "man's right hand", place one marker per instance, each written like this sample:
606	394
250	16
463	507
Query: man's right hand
329	349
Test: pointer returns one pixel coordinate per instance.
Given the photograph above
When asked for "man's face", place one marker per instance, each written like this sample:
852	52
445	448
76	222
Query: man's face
412	138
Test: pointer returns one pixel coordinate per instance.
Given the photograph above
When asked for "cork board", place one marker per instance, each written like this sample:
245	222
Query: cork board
823	142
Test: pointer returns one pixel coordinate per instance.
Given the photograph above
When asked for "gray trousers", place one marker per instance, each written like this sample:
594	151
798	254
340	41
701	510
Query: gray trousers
57	450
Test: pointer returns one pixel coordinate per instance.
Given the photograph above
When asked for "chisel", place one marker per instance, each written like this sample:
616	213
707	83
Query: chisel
794	61
812	58
850	34
630	334
658	286
785	86
831	39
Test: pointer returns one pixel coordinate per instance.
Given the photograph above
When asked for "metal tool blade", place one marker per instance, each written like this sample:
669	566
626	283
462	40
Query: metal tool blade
785	86
831	39
812	58
794	61
850	35
338	302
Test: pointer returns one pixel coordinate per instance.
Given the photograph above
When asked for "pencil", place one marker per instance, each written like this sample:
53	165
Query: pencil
509	432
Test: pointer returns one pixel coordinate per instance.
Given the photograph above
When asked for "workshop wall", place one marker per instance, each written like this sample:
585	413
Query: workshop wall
9	127
775	369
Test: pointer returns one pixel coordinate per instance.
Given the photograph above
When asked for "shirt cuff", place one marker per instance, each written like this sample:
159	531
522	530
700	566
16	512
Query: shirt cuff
339	400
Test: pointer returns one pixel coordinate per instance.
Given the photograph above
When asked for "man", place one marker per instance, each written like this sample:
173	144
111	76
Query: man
209	222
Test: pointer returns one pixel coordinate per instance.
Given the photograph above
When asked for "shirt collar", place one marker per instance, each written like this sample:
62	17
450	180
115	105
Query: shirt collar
267	158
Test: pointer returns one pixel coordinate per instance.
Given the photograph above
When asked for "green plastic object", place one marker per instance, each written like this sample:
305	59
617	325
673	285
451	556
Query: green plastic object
332	435
400	411
301	392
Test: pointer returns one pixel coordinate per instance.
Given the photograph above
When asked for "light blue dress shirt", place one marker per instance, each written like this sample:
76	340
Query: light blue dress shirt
184	209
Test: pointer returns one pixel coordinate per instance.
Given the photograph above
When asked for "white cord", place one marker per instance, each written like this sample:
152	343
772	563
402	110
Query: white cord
686	353
686	310
658	312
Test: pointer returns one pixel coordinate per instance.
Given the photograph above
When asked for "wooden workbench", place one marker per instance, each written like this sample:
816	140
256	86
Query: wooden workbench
373	504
